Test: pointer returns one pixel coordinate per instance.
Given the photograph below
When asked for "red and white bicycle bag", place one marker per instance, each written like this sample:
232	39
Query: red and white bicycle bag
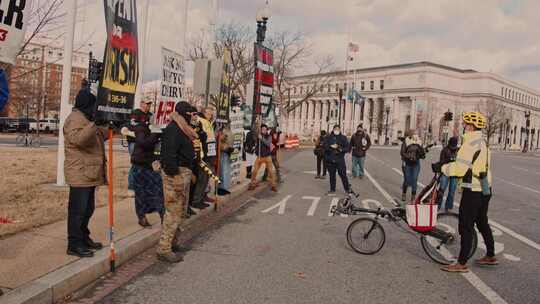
422	218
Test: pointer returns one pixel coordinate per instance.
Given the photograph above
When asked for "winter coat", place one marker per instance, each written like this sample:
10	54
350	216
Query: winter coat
412	144
334	155
85	163
264	146
177	147
145	142
447	155
360	143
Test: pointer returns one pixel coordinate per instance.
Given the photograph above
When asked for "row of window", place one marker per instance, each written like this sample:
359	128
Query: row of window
336	87
520	97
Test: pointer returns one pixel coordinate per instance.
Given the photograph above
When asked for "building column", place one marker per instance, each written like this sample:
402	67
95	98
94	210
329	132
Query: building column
396	106
413	113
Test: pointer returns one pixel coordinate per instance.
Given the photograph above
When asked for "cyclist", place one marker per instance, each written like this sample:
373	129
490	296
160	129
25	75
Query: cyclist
472	166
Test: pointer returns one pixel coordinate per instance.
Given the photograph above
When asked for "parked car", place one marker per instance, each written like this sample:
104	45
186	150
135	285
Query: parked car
23	124
8	124
45	125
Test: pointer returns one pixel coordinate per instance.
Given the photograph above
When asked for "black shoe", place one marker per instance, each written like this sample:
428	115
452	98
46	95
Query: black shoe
178	248
81	252
200	206
93	245
143	222
190	211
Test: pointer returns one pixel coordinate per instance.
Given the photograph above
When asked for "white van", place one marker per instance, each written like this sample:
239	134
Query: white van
48	125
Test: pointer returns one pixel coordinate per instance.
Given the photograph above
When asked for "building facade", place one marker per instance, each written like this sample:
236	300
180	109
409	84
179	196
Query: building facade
36	80
414	96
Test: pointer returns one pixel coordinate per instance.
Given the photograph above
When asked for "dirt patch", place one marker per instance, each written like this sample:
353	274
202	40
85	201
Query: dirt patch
28	197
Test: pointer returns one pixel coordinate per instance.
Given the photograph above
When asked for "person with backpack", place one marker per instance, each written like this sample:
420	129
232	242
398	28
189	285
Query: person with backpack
448	155
411	154
319	153
360	143
336	146
249	156
472	165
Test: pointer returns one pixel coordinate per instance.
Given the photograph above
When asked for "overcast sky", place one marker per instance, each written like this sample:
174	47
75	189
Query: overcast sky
501	36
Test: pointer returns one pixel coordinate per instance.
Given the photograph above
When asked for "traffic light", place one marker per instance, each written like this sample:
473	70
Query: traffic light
94	70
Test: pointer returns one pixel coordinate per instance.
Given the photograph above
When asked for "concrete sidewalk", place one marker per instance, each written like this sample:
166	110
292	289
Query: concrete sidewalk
35	267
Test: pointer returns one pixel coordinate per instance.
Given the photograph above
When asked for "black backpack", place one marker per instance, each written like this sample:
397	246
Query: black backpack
412	153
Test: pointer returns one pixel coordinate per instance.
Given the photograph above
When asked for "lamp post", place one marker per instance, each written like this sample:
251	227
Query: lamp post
262	19
386	139
527	123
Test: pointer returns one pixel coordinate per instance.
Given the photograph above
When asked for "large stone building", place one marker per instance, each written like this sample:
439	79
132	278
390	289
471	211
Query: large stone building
36	80
415	96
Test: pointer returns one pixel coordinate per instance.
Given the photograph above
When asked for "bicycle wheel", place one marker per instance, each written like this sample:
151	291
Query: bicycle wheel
20	140
35	141
366	236
446	252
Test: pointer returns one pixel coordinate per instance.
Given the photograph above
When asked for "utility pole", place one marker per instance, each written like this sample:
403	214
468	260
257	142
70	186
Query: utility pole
65	108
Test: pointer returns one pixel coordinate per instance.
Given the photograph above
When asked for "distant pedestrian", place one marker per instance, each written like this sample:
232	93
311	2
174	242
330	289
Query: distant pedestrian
411	154
177	162
336	146
319	154
448	155
263	149
250	142
360	143
84	169
275	134
147	183
472	165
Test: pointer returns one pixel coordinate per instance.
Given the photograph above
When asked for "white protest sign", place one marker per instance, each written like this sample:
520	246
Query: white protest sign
14	17
172	85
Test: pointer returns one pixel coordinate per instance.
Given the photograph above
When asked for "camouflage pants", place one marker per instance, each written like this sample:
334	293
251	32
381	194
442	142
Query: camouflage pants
176	192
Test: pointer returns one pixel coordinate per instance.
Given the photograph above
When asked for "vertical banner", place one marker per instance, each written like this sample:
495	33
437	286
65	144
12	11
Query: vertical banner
264	82
116	92
172	85
14	17
224	100
237	129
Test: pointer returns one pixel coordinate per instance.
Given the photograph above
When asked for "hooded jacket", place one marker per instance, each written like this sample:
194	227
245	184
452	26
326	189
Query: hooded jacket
176	145
472	162
338	154
360	143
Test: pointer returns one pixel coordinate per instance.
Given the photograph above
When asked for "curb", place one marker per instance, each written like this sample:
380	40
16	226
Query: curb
60	283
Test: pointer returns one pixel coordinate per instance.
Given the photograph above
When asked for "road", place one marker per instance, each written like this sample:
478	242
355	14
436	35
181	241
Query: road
285	248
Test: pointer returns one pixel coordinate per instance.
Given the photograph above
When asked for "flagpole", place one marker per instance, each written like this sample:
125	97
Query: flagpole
65	107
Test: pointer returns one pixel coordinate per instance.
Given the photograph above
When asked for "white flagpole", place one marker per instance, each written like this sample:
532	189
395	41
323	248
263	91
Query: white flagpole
65	107
142	57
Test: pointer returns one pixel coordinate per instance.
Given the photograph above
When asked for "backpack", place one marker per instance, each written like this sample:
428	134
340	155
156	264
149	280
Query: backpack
412	153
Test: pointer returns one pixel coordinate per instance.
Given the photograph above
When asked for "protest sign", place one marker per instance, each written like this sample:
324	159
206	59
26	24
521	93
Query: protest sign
224	100
237	129
264	82
14	17
172	85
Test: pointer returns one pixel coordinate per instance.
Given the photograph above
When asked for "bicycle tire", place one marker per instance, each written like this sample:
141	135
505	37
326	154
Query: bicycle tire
19	140
35	141
448	254
374	228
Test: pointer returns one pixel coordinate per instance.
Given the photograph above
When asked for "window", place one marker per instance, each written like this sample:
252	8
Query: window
372	84
381	84
337	87
322	89
345	87
353	85
294	90
329	88
301	90
362	85
502	91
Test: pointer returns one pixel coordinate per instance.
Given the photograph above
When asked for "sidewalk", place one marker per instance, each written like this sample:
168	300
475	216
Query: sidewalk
35	267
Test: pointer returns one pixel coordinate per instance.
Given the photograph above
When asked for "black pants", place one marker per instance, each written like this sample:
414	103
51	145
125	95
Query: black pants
81	207
473	210
320	161
341	169
197	195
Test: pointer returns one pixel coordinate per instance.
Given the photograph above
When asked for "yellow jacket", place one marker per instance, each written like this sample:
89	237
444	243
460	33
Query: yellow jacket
465	168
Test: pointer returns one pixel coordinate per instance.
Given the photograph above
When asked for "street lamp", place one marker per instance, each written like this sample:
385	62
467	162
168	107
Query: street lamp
527	124
386	139
262	19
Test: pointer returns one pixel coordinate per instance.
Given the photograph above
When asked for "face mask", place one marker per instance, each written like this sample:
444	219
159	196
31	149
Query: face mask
337	132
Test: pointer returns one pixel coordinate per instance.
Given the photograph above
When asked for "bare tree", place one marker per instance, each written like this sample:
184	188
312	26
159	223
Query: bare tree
496	115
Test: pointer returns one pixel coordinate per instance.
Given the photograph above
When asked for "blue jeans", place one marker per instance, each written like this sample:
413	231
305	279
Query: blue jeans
225	172
451	184
358	166
410	179
131	180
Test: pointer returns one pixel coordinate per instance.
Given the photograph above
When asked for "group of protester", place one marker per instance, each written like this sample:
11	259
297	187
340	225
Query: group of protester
170	173
466	165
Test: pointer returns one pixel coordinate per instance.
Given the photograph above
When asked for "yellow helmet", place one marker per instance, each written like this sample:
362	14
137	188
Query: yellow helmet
476	119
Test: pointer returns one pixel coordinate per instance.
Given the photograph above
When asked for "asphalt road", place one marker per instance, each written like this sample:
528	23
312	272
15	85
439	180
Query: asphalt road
285	248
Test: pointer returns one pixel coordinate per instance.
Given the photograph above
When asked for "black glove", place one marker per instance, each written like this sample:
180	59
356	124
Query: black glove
436	167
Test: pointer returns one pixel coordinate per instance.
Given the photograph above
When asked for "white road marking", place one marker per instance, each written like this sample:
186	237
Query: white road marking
515	235
526	170
484	289
282	204
401	173
333	203
314	204
512	258
519	186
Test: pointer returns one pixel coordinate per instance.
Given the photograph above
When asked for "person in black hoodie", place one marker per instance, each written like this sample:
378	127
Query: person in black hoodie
177	163
360	143
336	146
147	183
263	150
448	155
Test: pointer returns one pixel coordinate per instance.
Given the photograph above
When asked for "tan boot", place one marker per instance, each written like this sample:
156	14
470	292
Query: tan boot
489	261
455	268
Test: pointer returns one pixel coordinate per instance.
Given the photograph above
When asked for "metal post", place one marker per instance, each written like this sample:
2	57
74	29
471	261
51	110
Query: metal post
207	93
339	110
65	107
386	141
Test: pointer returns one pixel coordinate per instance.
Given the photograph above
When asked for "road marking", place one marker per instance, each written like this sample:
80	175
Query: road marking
511	257
515	235
333	203
314	204
516	185
381	190
282	204
401	173
484	289
526	170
